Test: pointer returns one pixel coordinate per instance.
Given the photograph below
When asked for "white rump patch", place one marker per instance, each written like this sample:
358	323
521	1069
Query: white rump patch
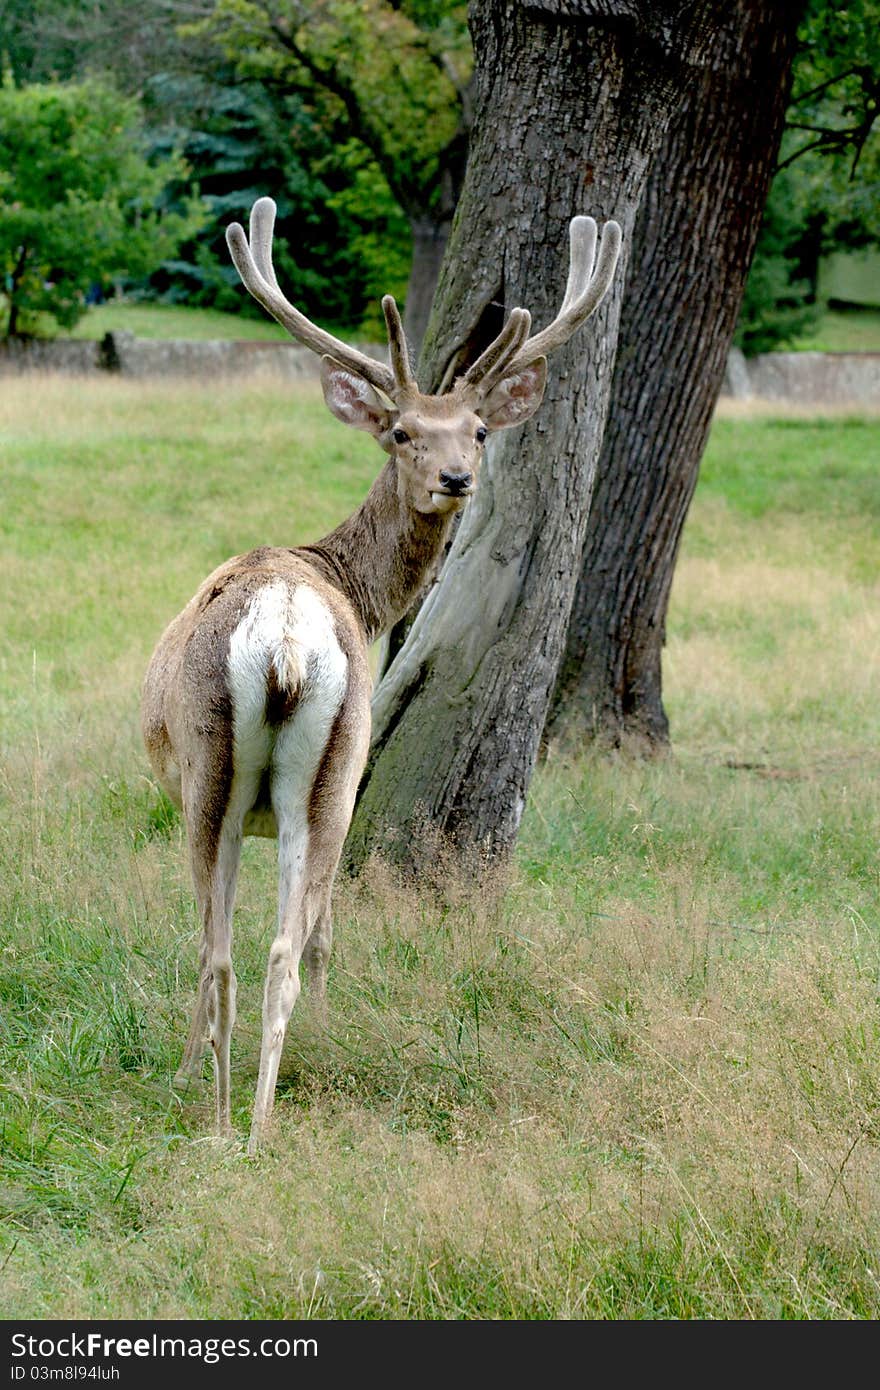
289	628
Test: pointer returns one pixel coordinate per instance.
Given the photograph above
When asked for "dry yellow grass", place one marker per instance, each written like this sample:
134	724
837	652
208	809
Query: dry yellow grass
641	1079
758	408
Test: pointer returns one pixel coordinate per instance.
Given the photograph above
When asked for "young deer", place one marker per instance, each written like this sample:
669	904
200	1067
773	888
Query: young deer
256	703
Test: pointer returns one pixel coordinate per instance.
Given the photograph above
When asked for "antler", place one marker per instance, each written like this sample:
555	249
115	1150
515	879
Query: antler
253	261
513	350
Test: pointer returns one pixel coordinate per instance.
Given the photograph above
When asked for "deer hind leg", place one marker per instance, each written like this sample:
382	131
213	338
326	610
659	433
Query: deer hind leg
206	873
190	1069
308	856
215	848
282	976
303	928
316	764
317	952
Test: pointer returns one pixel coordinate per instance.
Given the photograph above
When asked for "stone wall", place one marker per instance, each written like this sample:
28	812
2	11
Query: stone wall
806	378
833	378
60	355
151	357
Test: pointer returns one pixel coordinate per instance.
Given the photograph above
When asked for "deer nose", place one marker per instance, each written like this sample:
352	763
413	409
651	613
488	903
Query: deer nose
456	482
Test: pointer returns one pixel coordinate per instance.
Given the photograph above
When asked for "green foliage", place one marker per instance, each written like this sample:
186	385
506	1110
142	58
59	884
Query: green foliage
355	118
832	143
78	198
375	233
340	237
243	142
392	75
66	40
776	307
836	96
35	44
826	195
346	113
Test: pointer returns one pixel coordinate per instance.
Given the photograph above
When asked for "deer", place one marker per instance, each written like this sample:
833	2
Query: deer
256	701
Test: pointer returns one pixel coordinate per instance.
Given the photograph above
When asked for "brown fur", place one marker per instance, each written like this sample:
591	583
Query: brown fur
188	732
219	764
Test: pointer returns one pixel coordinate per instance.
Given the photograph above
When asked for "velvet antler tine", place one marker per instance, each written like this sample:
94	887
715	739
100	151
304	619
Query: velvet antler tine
570	318
397	343
240	251
583	234
601	275
262	229
254	265
502	367
512	336
589	277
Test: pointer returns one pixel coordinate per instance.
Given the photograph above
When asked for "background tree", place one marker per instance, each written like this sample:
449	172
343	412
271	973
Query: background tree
395	76
34	46
232	92
691	253
77	198
320	104
341	241
825	196
65	40
572	104
779	302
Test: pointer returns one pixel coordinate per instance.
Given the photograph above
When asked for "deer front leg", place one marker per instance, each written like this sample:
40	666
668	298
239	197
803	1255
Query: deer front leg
202	864
220	1010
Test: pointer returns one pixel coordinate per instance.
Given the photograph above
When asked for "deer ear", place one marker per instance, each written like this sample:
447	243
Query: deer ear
515	398
352	399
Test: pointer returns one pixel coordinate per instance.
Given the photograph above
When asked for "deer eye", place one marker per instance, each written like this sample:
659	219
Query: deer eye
481	434
400	436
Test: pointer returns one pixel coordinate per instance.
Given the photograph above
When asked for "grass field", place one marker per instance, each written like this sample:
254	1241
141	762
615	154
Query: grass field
641	1081
853	330
151	320
848	330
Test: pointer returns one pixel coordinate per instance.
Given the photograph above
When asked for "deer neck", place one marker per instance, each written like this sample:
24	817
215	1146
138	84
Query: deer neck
382	555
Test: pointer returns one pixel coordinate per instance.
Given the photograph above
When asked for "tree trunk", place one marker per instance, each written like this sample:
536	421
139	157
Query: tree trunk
14	281
693	246
431	227
572	101
429	244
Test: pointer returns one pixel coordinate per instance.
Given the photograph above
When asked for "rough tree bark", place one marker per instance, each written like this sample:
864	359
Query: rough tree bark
572	99
693	246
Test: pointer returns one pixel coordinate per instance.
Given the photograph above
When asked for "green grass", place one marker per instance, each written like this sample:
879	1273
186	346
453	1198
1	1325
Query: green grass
853	330
172	321
640	1080
150	320
843	330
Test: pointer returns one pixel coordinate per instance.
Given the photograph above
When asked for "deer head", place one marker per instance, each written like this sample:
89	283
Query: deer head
436	440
